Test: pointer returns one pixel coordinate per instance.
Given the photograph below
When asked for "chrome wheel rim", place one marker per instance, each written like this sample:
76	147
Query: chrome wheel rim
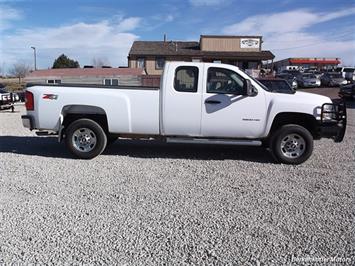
84	140
293	146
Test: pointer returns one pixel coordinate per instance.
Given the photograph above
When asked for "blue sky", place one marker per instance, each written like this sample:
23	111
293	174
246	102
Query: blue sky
106	29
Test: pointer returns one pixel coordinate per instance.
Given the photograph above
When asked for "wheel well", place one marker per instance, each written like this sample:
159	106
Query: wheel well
74	112
100	119
305	120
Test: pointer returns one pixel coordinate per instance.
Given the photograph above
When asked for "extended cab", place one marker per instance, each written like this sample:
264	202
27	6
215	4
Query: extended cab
196	103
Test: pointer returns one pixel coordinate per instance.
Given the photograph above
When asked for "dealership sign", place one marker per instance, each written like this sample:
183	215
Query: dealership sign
249	43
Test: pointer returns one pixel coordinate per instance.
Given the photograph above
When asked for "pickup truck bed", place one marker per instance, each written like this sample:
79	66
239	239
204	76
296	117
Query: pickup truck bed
125	107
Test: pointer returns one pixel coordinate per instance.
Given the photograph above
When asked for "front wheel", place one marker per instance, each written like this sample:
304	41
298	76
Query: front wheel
85	139
292	144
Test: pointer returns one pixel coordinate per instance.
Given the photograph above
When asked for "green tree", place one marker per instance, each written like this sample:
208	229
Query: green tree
65	62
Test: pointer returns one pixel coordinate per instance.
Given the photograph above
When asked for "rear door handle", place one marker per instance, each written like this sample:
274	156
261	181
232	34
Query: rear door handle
212	102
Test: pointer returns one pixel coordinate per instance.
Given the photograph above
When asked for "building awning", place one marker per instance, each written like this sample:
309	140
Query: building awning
315	61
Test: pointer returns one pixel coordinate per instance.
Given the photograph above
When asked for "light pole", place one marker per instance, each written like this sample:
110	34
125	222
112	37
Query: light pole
35	56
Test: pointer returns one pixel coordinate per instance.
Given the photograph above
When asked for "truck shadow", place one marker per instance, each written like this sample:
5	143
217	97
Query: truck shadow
36	146
49	147
152	149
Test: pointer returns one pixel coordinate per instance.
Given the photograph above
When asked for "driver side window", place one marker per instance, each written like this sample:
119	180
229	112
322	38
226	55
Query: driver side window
220	80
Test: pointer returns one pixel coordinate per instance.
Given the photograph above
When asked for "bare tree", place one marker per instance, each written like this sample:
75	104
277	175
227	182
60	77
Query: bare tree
20	70
100	62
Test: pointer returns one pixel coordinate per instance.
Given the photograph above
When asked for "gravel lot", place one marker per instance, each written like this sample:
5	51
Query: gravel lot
144	203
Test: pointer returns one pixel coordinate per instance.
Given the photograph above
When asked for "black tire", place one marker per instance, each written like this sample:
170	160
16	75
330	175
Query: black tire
95	132
291	144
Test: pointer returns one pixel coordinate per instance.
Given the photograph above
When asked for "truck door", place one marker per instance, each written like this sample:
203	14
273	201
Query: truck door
226	110
181	109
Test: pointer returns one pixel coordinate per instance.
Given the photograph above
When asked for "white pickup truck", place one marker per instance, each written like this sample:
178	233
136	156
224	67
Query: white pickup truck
201	103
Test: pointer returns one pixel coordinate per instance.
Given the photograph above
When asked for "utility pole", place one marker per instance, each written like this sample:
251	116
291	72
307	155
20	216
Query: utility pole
35	56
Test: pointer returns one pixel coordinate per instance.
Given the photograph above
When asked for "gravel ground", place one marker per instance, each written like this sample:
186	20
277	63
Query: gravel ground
143	203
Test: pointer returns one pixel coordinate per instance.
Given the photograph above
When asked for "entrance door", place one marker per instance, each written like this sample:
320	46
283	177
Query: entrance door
226	111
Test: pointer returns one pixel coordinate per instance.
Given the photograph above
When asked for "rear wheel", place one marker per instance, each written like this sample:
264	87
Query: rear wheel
85	139
292	144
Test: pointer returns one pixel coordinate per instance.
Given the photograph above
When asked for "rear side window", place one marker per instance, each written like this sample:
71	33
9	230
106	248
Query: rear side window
186	79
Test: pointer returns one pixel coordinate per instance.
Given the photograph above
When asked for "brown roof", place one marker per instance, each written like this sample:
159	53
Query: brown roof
230	36
180	49
163	48
86	72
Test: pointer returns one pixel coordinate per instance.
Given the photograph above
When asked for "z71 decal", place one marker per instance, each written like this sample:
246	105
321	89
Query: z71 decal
50	96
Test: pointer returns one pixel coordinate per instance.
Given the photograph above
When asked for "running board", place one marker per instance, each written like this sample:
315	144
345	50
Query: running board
45	133
215	141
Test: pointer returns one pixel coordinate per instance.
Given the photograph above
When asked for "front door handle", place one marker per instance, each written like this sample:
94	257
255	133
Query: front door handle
212	102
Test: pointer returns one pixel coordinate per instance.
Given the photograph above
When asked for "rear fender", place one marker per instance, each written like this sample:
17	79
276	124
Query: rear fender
72	112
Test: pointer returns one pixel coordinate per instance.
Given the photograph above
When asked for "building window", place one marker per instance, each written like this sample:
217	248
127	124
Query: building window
111	82
186	79
224	81
114	82
54	81
159	63
140	62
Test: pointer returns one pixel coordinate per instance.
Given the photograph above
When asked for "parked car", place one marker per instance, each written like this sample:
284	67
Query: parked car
202	103
317	73
291	79
308	80
13	96
347	91
5	100
277	85
347	72
333	79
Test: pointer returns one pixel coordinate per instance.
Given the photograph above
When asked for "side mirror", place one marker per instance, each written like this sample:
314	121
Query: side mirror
249	89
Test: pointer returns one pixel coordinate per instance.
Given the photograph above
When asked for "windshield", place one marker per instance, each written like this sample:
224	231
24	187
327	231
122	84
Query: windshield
258	82
3	91
280	86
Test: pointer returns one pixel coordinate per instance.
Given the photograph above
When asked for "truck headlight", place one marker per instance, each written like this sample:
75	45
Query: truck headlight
326	115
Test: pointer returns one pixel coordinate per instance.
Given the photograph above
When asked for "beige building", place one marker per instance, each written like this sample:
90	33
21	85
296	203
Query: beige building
243	51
